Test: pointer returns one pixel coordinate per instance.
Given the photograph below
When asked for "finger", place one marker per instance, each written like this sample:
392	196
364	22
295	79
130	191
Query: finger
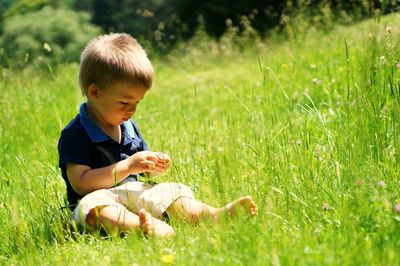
163	157
161	168
152	158
149	165
160	155
163	164
153	155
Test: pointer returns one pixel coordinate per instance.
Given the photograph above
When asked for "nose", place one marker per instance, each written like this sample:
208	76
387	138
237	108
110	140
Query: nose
132	108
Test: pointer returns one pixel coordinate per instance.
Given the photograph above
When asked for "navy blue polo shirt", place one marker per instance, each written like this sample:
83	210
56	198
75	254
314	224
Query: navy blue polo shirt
83	142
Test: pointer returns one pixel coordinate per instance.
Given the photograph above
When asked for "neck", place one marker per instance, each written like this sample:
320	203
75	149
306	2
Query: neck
97	118
113	132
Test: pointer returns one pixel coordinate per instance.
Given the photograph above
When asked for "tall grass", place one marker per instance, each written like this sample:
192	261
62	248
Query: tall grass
307	127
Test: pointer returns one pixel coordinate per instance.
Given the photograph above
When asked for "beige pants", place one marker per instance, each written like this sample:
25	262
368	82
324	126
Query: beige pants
134	196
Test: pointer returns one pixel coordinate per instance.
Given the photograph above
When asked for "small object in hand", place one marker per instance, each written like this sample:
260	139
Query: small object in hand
160	155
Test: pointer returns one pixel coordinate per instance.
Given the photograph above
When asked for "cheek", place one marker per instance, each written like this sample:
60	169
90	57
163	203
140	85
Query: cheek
114	110
120	111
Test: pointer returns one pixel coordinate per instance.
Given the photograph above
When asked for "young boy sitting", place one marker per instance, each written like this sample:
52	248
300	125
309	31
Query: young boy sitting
101	151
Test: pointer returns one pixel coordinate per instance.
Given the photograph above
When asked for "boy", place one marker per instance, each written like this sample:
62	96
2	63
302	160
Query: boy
102	151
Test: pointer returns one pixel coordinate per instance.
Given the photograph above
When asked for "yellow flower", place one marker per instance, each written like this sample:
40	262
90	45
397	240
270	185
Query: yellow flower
168	259
284	66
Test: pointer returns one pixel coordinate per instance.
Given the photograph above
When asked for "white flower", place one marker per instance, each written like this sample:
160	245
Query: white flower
316	81
47	47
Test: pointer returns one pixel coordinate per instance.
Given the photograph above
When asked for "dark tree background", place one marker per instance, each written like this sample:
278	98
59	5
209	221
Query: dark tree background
168	21
180	18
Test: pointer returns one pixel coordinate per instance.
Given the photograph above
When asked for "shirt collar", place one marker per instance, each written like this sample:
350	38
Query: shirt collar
96	134
128	132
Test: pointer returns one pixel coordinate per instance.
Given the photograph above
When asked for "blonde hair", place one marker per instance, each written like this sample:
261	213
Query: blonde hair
114	57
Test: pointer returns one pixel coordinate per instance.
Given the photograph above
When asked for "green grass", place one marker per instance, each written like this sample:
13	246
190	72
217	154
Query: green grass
295	124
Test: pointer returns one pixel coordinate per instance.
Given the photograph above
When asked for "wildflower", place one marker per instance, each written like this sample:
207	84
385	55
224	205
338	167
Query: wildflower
26	58
168	258
359	183
307	250
313	66
381	184
389	29
325	206
147	13
316	81
47	47
398	65
318	229
382	59
284	66
397	207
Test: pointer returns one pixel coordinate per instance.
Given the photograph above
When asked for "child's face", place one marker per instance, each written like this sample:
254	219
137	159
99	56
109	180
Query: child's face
115	104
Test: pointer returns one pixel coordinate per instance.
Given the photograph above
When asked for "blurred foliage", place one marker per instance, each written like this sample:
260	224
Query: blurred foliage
155	21
264	15
25	6
9	8
46	36
161	25
166	21
4	5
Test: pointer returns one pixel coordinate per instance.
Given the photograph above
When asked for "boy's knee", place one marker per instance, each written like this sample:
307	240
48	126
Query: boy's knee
179	204
92	218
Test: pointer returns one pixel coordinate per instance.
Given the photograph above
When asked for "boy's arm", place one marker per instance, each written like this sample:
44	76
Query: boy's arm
84	180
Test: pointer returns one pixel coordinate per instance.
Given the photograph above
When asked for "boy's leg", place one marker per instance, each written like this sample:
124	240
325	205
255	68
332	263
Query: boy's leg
194	211
118	218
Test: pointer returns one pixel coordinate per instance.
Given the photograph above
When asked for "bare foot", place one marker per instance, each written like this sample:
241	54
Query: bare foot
152	226
146	222
246	204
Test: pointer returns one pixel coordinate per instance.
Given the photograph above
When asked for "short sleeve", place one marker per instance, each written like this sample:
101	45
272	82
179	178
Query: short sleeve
74	147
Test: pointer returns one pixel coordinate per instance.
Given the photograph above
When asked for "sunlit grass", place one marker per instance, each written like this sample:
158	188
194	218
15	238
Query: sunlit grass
307	127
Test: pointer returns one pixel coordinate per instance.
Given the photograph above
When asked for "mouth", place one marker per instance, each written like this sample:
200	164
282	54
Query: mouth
127	117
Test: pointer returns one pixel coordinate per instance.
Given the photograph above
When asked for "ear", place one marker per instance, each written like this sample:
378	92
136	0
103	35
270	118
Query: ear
93	91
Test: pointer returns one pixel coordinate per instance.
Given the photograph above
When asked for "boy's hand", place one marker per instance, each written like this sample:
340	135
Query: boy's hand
143	161
147	161
163	162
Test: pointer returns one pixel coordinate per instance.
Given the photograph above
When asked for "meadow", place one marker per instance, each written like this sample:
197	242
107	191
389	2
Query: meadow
308	126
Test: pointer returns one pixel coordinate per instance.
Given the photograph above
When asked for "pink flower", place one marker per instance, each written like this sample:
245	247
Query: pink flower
325	206
398	65
381	184
397	207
